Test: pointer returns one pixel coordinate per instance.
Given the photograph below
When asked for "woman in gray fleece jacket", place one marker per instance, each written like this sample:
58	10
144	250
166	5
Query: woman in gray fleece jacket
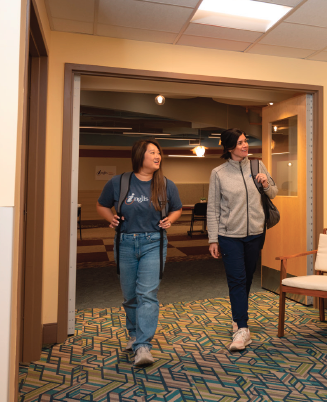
236	220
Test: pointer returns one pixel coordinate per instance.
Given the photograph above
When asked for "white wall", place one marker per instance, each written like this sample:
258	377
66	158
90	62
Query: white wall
9	71
12	45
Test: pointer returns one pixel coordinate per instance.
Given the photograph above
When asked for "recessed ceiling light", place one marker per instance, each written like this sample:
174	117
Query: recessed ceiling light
160	100
240	14
270	103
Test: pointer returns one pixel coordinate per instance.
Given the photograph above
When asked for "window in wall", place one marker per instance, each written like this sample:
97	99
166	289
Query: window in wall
284	155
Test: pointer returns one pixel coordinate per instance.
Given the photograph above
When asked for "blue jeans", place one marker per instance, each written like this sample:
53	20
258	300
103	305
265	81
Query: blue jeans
139	262
240	256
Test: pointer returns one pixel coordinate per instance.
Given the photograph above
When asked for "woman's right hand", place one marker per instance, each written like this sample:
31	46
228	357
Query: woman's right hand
115	222
215	250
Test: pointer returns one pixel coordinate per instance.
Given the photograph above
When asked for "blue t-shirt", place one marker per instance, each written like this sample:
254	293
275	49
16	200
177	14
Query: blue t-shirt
137	209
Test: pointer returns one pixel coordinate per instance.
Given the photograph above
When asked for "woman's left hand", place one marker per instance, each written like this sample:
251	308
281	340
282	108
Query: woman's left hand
262	178
165	223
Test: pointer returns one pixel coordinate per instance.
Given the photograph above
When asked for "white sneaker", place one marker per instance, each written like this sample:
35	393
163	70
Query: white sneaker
234	326
130	342
241	339
143	357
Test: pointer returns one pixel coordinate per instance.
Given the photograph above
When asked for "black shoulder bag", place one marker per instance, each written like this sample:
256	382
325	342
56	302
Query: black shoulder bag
272	215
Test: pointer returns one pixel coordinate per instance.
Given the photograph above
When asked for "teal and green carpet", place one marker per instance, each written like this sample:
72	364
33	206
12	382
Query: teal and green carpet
192	358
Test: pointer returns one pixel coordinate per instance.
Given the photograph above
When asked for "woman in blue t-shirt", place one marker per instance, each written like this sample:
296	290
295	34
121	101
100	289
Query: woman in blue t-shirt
139	246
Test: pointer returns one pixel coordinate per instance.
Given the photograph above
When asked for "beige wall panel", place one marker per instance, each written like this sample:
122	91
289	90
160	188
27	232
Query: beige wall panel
290	235
86	175
88	49
190	170
179	170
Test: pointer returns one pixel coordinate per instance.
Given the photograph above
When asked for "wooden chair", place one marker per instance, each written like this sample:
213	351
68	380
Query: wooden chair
309	285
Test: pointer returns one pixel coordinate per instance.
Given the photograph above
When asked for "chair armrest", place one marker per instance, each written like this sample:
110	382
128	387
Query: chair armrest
287	257
283	262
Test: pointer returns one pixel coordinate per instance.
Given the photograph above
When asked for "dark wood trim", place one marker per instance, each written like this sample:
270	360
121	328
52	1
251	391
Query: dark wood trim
30	254
37	31
49	333
84	69
32	339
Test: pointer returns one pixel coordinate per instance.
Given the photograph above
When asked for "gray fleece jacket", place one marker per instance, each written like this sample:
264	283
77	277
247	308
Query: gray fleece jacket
234	203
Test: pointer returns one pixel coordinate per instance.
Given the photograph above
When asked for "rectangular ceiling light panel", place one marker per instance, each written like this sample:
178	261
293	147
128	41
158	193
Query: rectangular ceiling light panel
248	15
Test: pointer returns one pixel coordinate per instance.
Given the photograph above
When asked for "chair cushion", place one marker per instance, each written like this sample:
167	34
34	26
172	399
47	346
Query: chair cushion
321	260
312	282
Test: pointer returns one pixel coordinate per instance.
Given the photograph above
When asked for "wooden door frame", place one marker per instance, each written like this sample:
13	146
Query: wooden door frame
65	210
30	258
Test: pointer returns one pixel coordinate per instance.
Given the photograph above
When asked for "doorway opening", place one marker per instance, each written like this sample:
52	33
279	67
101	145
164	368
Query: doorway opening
180	80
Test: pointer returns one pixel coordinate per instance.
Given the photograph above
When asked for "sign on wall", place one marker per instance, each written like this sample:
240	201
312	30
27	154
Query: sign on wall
105	172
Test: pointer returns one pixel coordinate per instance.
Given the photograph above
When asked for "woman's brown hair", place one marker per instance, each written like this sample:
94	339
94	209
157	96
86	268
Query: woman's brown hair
229	140
158	188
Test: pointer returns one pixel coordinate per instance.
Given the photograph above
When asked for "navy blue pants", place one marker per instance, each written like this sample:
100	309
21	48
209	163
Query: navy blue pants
240	256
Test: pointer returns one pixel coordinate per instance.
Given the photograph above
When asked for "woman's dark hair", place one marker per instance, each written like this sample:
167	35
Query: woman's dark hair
158	187
229	141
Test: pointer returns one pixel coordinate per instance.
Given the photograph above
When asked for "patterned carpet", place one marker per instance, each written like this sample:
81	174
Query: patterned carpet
192	359
93	253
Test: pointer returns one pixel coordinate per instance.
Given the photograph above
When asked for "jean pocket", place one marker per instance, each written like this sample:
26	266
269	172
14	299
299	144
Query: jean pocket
153	237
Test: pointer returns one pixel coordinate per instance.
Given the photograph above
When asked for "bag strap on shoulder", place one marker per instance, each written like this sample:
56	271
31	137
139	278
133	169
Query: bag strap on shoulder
254	171
164	209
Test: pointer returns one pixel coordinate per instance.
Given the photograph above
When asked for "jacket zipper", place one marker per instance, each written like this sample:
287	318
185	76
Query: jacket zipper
247	201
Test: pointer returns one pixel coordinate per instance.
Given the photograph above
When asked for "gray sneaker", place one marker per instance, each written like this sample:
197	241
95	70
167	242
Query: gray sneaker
143	357
130	342
241	339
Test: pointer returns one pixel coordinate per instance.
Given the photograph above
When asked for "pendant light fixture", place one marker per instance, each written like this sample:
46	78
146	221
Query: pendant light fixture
160	100
199	150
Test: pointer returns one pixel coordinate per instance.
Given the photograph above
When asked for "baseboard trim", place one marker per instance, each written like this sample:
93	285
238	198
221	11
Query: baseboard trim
271	281
49	333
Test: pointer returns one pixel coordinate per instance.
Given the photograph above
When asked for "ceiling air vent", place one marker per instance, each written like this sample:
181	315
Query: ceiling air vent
194	142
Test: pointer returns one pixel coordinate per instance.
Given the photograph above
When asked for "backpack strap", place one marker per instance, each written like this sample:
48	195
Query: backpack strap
164	213
125	181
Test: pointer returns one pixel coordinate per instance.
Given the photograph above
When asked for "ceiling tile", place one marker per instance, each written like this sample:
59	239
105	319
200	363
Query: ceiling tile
298	36
281	51
143	15
289	3
322	56
72	26
74	10
212	43
313	12
184	3
210	31
135	34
